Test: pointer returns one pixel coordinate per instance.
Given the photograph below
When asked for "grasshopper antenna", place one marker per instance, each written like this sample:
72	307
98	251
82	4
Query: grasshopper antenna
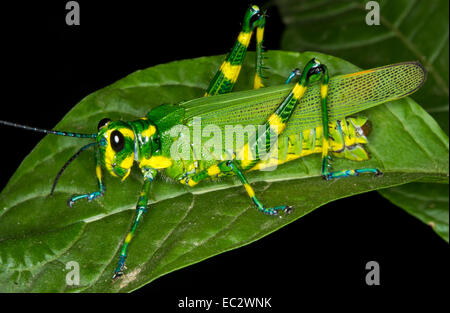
68	163
59	133
48	131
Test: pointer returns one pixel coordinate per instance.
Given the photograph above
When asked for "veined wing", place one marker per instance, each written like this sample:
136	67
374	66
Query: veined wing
347	95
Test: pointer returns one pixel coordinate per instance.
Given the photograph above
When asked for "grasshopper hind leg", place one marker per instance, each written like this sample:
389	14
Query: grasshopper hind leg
230	167
89	196
223	82
286	209
326	158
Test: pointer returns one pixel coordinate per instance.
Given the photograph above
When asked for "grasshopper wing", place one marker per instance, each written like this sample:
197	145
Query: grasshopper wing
347	94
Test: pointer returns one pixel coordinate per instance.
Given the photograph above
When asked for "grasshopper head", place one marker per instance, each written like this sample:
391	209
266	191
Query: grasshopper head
116	147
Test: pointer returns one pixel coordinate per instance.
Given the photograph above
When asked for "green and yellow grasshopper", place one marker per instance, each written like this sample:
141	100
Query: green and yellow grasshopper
310	116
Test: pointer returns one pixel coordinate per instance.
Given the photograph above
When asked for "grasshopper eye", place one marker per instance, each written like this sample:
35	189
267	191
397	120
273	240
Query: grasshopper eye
117	141
103	123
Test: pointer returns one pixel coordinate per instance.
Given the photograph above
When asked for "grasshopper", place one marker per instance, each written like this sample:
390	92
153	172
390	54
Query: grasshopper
309	114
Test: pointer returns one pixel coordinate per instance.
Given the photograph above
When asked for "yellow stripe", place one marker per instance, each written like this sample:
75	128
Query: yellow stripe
128	238
250	191
244	38
127	162
192	183
257	83
323	90
213	170
231	72
319	132
156	162
347	130
244	156
259	34
126	132
324	147
98	172
149	131
276	123
126	175
298	91
109	152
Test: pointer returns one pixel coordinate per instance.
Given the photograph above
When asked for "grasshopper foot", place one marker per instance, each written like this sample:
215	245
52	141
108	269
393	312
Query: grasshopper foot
90	196
119	269
286	209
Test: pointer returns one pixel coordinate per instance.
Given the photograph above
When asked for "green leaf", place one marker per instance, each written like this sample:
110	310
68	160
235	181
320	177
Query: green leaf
408	30
39	234
430	206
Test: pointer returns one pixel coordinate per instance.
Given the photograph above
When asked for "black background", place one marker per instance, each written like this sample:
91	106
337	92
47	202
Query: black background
48	67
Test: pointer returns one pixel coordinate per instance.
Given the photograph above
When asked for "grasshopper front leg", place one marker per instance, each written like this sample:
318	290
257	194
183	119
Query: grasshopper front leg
141	208
89	196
